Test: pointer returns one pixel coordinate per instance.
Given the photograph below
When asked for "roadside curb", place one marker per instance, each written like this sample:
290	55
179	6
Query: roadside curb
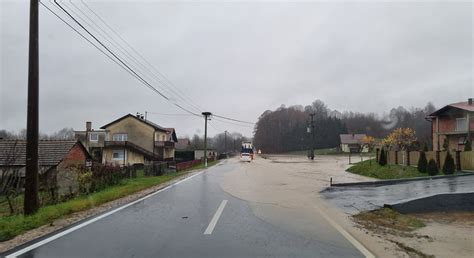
396	181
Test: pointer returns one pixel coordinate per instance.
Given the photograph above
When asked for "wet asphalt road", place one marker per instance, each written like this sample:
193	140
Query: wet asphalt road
353	199
172	224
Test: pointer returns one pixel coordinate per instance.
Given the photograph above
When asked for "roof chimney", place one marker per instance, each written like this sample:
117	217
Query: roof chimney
88	126
469	101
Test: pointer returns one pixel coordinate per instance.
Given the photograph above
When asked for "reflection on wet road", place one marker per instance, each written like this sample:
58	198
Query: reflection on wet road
177	222
354	199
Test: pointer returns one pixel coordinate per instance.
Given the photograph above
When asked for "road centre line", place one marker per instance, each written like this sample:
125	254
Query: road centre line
216	217
90	221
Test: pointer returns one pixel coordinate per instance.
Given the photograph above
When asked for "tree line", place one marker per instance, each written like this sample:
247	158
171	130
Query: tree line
220	142
285	129
62	134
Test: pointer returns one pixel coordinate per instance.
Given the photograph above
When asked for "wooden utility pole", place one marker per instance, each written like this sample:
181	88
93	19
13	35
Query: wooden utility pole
205	114
311	129
31	200
225	143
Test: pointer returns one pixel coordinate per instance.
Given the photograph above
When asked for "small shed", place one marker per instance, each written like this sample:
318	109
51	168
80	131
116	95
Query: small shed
352	143
59	163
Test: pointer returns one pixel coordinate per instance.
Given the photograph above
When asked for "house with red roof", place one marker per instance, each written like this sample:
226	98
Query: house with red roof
452	125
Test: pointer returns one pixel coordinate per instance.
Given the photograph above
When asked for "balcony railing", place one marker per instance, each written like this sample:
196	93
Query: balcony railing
128	144
165	144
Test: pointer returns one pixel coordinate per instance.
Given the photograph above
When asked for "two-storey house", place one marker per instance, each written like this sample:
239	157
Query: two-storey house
452	125
129	140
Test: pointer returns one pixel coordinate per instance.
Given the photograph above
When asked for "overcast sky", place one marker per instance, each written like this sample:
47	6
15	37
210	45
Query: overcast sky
239	59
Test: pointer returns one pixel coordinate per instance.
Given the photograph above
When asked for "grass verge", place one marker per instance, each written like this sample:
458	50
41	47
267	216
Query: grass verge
371	168
11	226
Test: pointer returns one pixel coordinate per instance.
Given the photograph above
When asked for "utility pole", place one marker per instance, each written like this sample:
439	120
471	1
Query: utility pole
31	200
205	114
225	143
311	130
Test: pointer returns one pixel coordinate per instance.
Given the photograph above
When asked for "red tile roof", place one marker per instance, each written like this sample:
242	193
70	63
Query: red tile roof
51	152
351	138
460	105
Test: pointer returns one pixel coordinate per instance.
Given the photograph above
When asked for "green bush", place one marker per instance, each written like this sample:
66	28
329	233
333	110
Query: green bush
448	167
422	163
468	145
382	158
432	167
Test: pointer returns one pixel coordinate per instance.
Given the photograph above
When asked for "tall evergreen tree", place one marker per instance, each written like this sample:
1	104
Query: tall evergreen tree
432	167
448	166
422	163
383	158
468	145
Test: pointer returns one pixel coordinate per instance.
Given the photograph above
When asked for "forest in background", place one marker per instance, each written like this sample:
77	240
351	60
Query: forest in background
285	129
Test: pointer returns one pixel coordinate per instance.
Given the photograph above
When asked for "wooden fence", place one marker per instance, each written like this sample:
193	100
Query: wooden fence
187	164
158	168
463	160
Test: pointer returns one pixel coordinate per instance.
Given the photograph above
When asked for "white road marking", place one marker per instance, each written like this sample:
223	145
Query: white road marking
348	236
216	217
85	223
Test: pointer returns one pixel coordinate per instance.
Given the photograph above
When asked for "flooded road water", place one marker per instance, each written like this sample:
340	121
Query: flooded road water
353	199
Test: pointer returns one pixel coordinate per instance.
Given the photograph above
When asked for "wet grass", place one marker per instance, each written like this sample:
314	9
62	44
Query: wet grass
371	168
11	226
388	218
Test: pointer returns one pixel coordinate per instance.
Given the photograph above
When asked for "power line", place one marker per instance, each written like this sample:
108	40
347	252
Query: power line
88	40
121	49
178	92
113	54
232	119
213	126
123	63
228	122
164	114
128	68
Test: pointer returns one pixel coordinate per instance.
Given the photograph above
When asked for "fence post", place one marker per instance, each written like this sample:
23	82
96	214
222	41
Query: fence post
438	159
408	158
458	160
396	157
377	154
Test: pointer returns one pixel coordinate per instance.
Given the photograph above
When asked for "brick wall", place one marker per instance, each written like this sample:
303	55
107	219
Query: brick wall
76	156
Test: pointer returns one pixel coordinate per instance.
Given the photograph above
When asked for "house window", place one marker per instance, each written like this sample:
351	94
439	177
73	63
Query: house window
120	137
461	124
119	154
94	137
